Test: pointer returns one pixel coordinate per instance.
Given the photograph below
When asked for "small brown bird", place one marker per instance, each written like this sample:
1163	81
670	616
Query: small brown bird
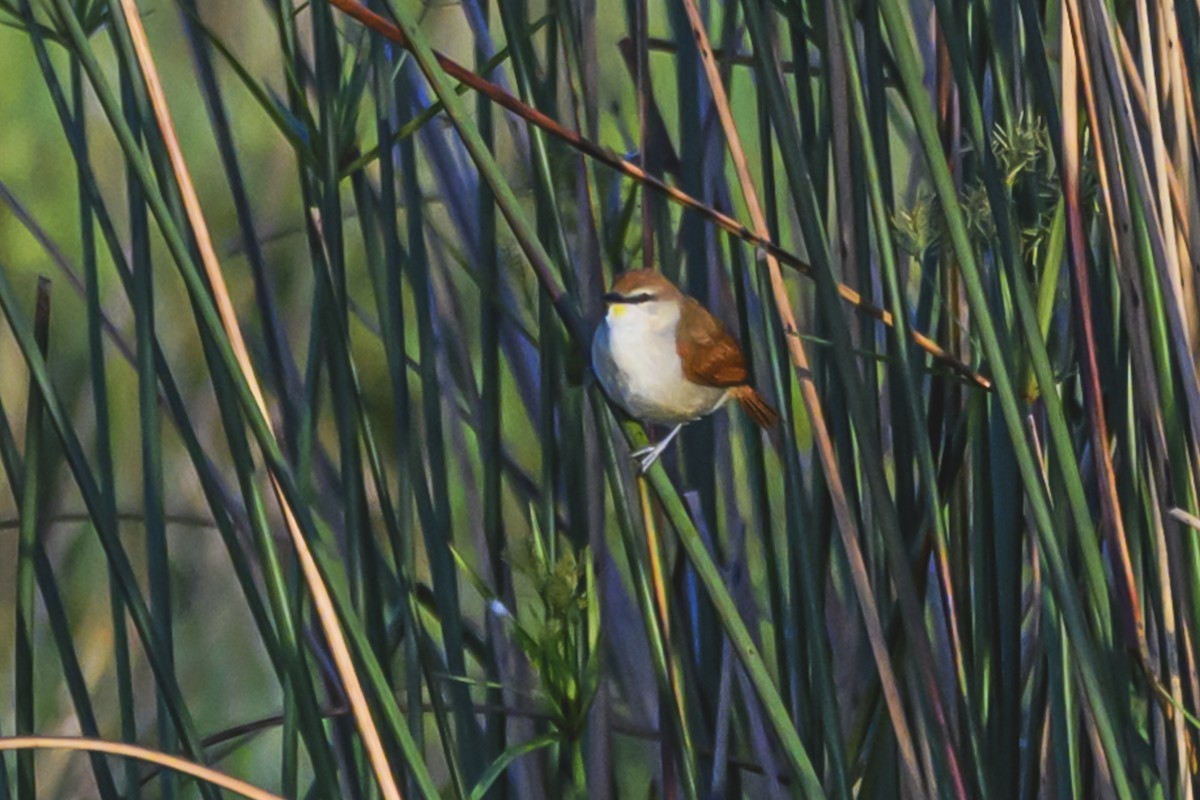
665	359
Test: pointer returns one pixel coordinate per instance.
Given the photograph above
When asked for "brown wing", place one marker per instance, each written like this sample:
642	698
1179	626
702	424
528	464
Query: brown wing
711	357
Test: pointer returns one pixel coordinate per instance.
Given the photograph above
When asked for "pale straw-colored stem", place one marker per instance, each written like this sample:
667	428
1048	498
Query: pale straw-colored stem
165	760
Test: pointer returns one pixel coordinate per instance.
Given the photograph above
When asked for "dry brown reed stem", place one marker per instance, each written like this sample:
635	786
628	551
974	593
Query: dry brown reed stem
165	760
322	601
605	156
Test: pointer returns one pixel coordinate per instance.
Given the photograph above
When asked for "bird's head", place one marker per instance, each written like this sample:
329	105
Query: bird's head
644	298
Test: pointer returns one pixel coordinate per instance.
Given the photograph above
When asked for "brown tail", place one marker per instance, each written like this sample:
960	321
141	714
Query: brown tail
759	409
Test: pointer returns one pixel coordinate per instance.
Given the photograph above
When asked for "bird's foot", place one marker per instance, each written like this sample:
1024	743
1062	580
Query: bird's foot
646	456
646	460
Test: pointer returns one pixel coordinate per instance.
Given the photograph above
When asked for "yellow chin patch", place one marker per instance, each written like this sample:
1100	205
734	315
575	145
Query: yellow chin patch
616	311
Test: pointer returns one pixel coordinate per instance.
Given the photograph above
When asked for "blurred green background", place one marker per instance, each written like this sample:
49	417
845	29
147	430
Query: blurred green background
963	566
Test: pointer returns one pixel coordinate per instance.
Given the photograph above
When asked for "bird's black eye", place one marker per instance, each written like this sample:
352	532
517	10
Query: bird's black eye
629	299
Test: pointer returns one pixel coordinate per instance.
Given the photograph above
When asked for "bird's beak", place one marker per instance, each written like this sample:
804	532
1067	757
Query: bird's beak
615	304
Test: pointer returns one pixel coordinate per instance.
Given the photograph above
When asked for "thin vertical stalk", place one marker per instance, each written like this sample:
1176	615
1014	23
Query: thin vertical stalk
674	704
27	544
390	301
490	423
437	536
104	456
280	361
158	559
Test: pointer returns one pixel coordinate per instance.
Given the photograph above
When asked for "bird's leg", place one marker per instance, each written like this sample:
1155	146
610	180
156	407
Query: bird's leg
646	456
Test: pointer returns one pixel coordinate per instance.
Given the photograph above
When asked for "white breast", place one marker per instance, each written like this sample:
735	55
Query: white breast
634	356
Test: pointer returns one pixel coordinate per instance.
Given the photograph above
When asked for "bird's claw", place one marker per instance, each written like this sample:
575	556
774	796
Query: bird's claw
647	462
646	456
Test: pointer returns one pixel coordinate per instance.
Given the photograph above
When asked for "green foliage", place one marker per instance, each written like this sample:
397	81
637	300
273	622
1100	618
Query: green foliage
557	630
961	566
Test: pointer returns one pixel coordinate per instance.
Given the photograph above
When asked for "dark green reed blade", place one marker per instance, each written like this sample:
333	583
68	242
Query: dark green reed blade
32	487
467	761
281	364
104	455
490	433
158	559
73	676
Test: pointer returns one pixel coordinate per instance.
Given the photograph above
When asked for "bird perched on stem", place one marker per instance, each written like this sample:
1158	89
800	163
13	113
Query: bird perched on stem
667	360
